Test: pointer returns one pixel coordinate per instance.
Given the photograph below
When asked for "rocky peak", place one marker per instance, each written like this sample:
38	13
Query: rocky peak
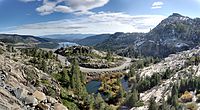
175	33
175	18
176	15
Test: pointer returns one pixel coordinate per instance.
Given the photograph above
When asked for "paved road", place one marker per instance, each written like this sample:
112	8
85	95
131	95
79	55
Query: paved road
119	68
127	63
90	70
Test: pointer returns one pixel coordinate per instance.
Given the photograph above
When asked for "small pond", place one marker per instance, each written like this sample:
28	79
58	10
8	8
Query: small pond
93	86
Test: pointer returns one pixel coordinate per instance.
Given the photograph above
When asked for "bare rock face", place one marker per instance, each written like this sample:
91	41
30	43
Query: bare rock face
43	106
51	100
40	96
9	102
174	62
17	86
30	100
59	106
20	93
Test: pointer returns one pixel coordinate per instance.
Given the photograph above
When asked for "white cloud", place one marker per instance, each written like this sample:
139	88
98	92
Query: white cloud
68	6
63	9
93	24
47	8
157	5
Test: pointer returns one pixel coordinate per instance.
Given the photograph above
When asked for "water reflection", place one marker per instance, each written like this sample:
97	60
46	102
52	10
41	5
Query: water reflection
93	86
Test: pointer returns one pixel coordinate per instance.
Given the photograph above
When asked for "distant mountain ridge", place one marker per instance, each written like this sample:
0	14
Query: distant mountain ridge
175	33
68	37
29	41
119	40
93	40
14	38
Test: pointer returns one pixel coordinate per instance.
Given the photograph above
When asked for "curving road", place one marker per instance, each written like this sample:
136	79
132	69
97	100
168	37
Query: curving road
91	70
126	64
118	68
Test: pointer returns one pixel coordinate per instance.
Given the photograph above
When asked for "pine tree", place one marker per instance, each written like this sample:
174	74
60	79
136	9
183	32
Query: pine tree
167	74
164	105
33	60
174	90
90	102
82	78
121	92
65	78
51	54
99	102
155	79
174	101
44	66
174	96
57	57
182	85
132	72
133	99
76	81
152	104
109	56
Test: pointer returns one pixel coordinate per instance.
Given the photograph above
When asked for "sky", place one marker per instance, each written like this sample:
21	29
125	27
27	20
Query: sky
47	17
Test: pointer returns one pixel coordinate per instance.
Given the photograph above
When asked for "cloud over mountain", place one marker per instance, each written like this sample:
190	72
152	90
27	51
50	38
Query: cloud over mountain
98	23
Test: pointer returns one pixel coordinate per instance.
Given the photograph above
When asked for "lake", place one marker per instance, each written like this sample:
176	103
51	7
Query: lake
93	86
65	44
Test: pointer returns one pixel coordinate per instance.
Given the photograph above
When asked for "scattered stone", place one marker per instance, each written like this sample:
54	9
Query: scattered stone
2	77
2	84
43	106
51	100
30	108
59	106
9	88
30	100
40	96
3	107
20	93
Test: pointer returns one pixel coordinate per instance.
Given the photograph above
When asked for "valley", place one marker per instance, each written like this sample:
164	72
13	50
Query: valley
158	70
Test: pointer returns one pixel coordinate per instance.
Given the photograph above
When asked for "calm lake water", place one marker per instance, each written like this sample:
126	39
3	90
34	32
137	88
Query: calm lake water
64	44
93	86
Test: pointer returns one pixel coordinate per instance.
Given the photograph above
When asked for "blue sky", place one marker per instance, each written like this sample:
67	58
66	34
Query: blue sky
45	17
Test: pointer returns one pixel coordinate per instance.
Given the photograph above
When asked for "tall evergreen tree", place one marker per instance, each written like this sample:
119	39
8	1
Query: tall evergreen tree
164	105
152	104
65	78
174	90
133	99
132	72
76	83
99	102
44	66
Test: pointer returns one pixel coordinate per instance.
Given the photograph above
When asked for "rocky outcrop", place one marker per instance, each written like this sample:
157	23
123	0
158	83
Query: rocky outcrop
59	107
18	89
40	96
176	62
51	100
20	93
